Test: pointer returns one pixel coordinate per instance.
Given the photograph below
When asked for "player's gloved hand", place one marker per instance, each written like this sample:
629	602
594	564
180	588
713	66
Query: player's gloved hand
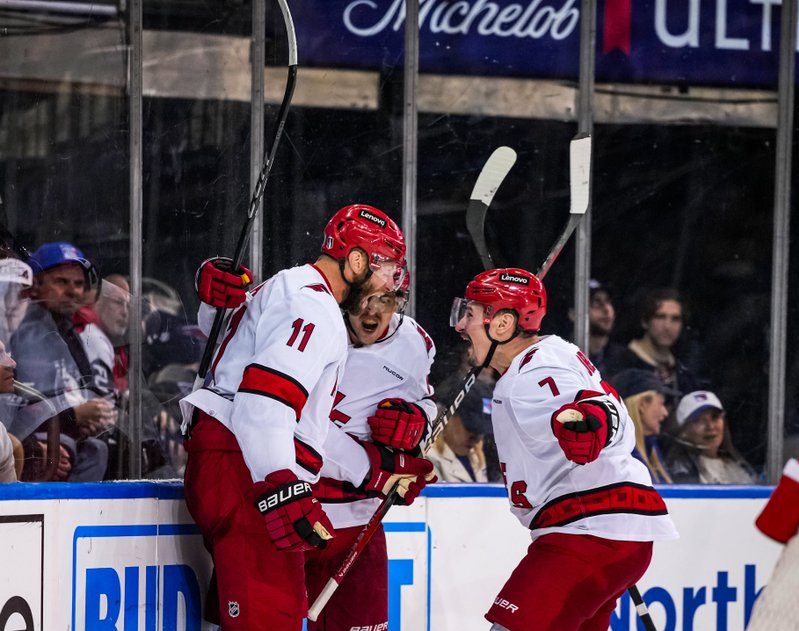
585	427
294	518
387	467
219	286
398	423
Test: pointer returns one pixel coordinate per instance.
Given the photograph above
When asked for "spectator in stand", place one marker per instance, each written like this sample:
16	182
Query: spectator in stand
105	337
9	446
169	339
662	322
601	318
111	316
457	453
703	450
645	399
15	276
50	356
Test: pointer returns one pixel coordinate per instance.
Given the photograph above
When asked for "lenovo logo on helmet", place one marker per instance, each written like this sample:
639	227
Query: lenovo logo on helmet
365	214
510	278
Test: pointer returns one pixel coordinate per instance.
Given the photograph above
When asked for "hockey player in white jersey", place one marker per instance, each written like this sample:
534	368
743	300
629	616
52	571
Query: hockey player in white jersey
383	399
564	441
258	427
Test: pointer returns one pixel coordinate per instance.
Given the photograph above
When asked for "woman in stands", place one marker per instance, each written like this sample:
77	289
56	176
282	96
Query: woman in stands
703	451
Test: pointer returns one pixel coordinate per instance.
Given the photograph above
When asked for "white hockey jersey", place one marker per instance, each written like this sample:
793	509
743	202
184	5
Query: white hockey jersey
611	497
274	375
395	367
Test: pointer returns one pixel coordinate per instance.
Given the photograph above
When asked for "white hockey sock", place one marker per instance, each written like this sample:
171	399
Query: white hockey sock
498	627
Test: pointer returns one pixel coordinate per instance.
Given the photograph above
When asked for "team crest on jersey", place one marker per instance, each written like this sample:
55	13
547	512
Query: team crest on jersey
233	609
322	289
365	214
526	359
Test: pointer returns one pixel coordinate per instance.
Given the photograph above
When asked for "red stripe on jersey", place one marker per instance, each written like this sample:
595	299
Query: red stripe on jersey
307	457
235	320
331	491
623	497
274	384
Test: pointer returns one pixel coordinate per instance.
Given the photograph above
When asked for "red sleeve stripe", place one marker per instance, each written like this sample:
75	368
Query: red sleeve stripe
276	385
307	457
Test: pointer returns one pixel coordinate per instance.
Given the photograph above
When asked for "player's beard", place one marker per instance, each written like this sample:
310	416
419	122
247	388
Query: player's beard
354	302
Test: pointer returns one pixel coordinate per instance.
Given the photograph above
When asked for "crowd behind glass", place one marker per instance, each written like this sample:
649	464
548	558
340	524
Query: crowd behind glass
64	360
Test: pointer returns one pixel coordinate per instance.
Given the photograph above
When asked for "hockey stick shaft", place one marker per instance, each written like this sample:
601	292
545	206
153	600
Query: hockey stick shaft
580	195
260	187
376	519
641	609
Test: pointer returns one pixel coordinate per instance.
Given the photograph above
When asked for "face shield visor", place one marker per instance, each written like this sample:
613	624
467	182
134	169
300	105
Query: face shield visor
385	303
391	273
460	307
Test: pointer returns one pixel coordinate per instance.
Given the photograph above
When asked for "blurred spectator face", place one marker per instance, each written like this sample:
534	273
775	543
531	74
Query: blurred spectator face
60	289
665	326
460	439
371	323
653	412
601	314
7	365
706	431
113	307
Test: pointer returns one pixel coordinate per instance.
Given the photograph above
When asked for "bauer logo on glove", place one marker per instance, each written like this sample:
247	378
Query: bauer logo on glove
294	518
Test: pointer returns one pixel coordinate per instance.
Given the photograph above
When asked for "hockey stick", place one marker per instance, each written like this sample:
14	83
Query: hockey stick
488	181
579	183
580	194
260	186
491	177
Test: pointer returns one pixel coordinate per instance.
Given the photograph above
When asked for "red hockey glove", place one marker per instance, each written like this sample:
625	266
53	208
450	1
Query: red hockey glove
780	517
294	518
218	286
585	427
387	467
398	423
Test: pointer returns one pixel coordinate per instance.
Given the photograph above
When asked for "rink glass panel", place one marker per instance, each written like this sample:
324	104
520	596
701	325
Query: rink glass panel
690	207
682	205
64	177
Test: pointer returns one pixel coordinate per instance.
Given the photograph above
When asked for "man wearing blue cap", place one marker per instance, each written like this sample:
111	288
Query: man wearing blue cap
51	356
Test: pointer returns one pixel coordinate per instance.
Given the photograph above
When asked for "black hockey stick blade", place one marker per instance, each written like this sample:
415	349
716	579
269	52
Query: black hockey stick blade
580	196
491	177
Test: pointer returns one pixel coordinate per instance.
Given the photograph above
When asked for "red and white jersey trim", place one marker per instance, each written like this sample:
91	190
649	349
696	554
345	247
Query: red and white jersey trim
275	372
611	497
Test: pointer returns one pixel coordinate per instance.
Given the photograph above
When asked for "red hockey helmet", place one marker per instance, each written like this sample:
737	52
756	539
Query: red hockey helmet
366	227
509	288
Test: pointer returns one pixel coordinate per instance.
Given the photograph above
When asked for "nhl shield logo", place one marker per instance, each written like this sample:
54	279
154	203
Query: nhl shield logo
233	609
